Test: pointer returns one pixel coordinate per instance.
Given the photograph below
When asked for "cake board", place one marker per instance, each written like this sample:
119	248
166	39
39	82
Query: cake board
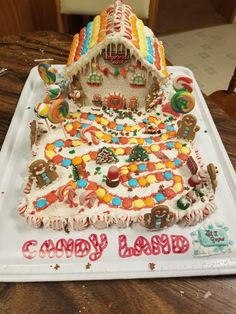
16	236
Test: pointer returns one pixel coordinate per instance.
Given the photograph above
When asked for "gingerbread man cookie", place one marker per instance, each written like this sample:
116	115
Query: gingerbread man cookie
159	217
42	172
188	127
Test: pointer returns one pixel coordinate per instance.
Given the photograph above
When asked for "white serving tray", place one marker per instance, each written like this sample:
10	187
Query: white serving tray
15	232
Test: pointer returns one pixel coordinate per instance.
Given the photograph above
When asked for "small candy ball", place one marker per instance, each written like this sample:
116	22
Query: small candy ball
182	102
41	110
54	91
183	83
47	73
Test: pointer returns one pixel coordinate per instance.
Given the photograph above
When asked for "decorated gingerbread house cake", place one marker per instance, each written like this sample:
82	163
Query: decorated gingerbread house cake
114	142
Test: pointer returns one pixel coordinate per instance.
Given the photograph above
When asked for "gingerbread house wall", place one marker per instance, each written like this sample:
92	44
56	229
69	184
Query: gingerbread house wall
115	84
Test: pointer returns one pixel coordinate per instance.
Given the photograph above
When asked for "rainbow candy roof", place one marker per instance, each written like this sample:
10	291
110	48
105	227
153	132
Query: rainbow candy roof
117	25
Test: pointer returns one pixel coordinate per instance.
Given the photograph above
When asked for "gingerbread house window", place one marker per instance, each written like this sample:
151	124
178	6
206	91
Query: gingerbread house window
138	81
94	79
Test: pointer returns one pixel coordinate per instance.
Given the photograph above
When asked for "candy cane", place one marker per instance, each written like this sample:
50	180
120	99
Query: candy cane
88	198
66	192
91	130
22	207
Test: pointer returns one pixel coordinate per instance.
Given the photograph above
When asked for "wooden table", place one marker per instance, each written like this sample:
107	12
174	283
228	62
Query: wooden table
182	295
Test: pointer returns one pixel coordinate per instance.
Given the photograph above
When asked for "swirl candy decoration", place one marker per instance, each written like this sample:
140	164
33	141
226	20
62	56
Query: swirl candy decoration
53	91
58	111
182	102
183	83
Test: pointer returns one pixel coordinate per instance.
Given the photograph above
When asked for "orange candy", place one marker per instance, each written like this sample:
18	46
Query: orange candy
76	161
149	202
127	203
142	181
106	137
93	155
92	186
107	198
140	141
123	140
151	166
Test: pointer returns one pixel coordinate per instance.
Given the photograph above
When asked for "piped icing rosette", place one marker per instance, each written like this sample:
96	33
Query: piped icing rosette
34	221
122	221
78	222
101	221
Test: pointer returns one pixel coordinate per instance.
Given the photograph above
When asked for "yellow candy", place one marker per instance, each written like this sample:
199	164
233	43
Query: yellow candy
164	137
120	151
50	154
106	137
159	165
124	171
100	192
86	158
133	140
76	115
185	150
139	203
177	187
151	178
76	143
177	179
104	121
99	134
69	127
155	148
169	164
50	146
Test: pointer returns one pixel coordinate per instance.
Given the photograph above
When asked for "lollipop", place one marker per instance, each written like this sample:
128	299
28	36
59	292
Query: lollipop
183	83
41	110
47	73
58	111
182	102
53	91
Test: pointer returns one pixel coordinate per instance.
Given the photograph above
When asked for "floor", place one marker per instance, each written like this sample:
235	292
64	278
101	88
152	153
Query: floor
181	15
209	52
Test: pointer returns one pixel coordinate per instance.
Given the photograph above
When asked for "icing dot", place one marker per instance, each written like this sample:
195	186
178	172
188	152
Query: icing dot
142	167
170	128
82	183
177	162
59	143
116	201
115	140
119	127
41	203
168	175
133	182
170	145
159	197
66	162
148	140
91	116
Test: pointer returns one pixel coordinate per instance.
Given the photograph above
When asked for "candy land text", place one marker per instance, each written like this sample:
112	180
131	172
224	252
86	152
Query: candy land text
94	247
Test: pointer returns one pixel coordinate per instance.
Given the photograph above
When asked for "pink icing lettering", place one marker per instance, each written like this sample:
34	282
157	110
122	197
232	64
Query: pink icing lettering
82	248
25	249
180	244
141	245
160	244
124	250
99	247
64	247
47	248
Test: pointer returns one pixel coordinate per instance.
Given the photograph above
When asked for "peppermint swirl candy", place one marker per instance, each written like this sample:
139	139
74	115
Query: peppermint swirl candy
183	83
182	102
